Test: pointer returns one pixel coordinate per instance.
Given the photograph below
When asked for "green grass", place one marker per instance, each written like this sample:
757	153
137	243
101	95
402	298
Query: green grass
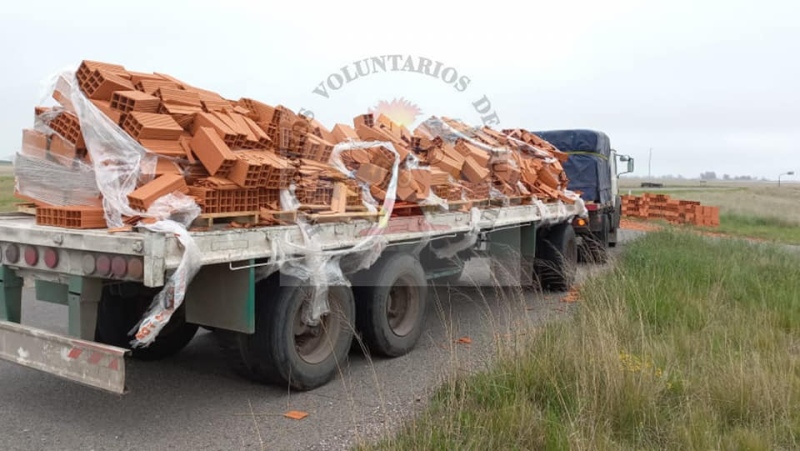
763	227
689	343
7	199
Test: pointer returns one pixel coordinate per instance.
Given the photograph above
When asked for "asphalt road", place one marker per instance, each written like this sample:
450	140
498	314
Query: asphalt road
194	402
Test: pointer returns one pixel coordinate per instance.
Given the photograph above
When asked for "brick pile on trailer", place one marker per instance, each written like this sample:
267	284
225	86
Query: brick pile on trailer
661	206
237	156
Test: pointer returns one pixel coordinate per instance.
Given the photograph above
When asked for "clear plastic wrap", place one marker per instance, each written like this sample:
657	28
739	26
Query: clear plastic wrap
55	182
120	162
170	298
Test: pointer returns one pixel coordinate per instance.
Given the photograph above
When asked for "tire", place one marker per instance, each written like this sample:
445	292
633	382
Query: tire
594	247
283	350
120	309
398	283
557	258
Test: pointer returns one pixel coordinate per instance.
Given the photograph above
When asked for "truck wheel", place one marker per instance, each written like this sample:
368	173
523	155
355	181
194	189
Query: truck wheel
557	258
391	311
119	312
283	348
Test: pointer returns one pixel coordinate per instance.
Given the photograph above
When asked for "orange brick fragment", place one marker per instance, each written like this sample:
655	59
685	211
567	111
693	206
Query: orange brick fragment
295	414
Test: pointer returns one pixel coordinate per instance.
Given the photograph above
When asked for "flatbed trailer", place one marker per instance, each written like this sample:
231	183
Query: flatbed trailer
108	280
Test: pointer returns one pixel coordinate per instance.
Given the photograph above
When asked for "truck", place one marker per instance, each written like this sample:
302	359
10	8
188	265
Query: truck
593	169
108	280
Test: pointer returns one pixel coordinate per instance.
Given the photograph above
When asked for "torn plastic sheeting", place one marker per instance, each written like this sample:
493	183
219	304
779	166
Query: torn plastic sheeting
437	127
120	162
546	156
175	212
308	262
54	183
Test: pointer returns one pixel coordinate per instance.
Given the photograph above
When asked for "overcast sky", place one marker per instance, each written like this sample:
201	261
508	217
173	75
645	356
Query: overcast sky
709	85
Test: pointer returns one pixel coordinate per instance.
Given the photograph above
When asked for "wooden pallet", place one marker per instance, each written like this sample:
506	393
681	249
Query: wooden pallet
27	208
242	217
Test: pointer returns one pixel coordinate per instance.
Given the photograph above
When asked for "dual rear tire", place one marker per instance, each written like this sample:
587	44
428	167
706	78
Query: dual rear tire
386	305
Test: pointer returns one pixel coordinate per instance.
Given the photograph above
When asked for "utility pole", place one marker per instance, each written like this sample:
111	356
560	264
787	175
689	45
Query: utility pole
649	164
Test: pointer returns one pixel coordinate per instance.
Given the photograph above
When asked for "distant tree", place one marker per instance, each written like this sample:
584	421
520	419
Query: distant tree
708	175
726	177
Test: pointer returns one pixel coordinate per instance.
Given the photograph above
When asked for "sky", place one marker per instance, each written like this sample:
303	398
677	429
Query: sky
707	85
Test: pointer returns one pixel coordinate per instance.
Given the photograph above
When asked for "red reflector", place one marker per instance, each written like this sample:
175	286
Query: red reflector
119	266
31	256
51	257
12	253
103	265
135	268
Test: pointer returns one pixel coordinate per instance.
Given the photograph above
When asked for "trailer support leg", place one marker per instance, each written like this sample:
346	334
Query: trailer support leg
11	303
83	298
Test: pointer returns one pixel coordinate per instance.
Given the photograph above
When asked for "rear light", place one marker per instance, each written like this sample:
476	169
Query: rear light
103	265
88	264
135	268
51	257
31	256
12	253
119	267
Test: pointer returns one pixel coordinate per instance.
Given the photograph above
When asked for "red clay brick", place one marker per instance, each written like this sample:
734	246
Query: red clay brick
102	84
208	120
371	174
126	101
71	217
143	197
151	126
178	97
63	150
164	147
105	107
34	143
212	151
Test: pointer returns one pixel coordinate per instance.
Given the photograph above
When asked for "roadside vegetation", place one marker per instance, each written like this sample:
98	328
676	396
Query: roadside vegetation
689	343
7	199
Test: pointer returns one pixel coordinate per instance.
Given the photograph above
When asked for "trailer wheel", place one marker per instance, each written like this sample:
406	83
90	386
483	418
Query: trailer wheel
283	348
122	306
557	258
391	306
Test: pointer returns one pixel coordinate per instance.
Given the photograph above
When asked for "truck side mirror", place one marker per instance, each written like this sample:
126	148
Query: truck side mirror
630	164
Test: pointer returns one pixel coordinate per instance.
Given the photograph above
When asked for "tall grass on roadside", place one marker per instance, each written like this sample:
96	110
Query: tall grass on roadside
774	227
690	343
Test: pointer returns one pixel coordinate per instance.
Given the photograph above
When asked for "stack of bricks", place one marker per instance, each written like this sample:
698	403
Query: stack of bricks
661	206
234	156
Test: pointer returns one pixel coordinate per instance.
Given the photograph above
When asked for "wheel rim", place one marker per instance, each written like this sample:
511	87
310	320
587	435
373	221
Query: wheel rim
315	343
402	307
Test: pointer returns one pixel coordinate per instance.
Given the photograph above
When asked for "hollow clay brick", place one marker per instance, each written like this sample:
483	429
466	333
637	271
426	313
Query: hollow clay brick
212	151
105	107
34	143
102	84
151	126
143	197
126	101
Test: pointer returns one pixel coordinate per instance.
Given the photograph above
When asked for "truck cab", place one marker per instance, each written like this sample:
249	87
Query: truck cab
593	169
